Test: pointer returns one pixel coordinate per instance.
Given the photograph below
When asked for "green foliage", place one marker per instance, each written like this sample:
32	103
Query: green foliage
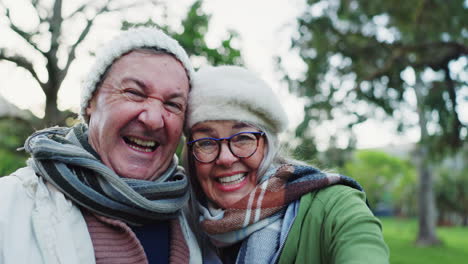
192	38
10	162
334	157
13	133
356	52
307	151
451	190
386	179
399	235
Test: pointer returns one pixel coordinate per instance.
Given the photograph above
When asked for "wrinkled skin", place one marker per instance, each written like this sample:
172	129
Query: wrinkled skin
137	114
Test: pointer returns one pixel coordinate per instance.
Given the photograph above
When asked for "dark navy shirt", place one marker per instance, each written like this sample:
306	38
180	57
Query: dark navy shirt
155	241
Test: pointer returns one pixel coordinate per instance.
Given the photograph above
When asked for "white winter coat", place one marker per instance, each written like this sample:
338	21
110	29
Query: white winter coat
39	225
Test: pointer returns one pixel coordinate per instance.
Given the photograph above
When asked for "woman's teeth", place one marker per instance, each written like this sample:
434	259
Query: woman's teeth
232	179
141	145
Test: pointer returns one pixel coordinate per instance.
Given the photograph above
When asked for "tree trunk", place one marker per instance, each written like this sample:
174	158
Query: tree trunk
427	214
52	113
426	205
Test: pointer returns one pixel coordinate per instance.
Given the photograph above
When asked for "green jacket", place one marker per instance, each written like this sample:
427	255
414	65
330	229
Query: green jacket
334	225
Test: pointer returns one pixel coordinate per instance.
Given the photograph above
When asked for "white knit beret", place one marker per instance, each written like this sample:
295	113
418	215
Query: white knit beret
233	93
135	38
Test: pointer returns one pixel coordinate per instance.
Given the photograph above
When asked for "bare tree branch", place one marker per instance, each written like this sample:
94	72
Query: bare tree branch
135	4
39	9
103	9
25	35
21	61
419	10
56	23
35	4
78	10
84	33
71	54
396	55
400	51
435	45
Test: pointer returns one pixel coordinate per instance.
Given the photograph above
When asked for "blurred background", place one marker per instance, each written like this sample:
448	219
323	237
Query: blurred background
376	90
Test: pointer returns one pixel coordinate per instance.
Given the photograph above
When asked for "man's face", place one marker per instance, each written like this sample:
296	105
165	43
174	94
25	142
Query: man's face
136	116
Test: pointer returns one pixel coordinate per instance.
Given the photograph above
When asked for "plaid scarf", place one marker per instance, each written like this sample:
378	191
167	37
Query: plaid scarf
65	159
258	215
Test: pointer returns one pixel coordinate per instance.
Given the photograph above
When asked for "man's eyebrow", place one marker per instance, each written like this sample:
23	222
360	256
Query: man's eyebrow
143	86
139	83
177	94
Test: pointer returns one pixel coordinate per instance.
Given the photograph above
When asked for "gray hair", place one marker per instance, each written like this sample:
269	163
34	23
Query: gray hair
272	153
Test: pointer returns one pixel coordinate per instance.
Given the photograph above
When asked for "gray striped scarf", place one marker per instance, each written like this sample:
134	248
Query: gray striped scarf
65	159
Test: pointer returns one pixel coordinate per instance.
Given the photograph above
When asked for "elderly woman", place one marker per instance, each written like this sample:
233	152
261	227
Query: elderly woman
256	206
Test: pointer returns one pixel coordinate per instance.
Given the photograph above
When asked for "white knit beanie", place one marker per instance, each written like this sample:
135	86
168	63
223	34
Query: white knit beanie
135	38
233	93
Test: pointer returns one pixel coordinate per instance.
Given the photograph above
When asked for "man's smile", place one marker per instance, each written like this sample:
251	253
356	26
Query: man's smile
140	144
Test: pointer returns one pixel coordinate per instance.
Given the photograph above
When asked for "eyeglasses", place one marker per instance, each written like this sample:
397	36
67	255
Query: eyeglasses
241	145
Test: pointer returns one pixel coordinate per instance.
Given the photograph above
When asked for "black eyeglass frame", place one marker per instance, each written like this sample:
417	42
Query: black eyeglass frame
257	134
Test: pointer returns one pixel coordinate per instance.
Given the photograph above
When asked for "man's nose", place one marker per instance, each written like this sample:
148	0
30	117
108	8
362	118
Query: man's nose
152	115
225	158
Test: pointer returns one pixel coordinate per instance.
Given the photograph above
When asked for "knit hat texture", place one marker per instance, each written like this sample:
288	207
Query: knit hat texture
135	38
233	93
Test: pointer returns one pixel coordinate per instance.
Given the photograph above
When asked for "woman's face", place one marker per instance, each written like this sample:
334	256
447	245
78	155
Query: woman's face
228	178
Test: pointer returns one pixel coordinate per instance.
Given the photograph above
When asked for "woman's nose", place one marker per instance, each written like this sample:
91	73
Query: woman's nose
225	158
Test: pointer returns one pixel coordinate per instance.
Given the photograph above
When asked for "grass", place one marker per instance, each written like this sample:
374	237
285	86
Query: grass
400	235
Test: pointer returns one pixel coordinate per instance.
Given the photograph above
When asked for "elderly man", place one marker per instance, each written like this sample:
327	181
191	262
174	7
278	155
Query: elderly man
109	189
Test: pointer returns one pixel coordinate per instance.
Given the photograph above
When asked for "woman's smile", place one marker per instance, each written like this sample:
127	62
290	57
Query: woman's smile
231	183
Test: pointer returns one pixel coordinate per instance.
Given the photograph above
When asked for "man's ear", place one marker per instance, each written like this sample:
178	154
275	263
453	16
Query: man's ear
91	107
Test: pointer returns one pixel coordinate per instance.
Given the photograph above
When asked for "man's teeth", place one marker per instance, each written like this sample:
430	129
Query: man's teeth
142	145
232	179
145	143
141	149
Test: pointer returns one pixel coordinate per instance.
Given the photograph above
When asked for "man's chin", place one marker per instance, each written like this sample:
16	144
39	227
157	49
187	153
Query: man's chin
136	167
137	173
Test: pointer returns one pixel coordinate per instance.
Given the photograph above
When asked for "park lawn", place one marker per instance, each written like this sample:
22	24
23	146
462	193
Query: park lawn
400	235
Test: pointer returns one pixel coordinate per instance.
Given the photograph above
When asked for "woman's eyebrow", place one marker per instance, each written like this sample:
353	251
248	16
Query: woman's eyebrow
202	130
240	125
